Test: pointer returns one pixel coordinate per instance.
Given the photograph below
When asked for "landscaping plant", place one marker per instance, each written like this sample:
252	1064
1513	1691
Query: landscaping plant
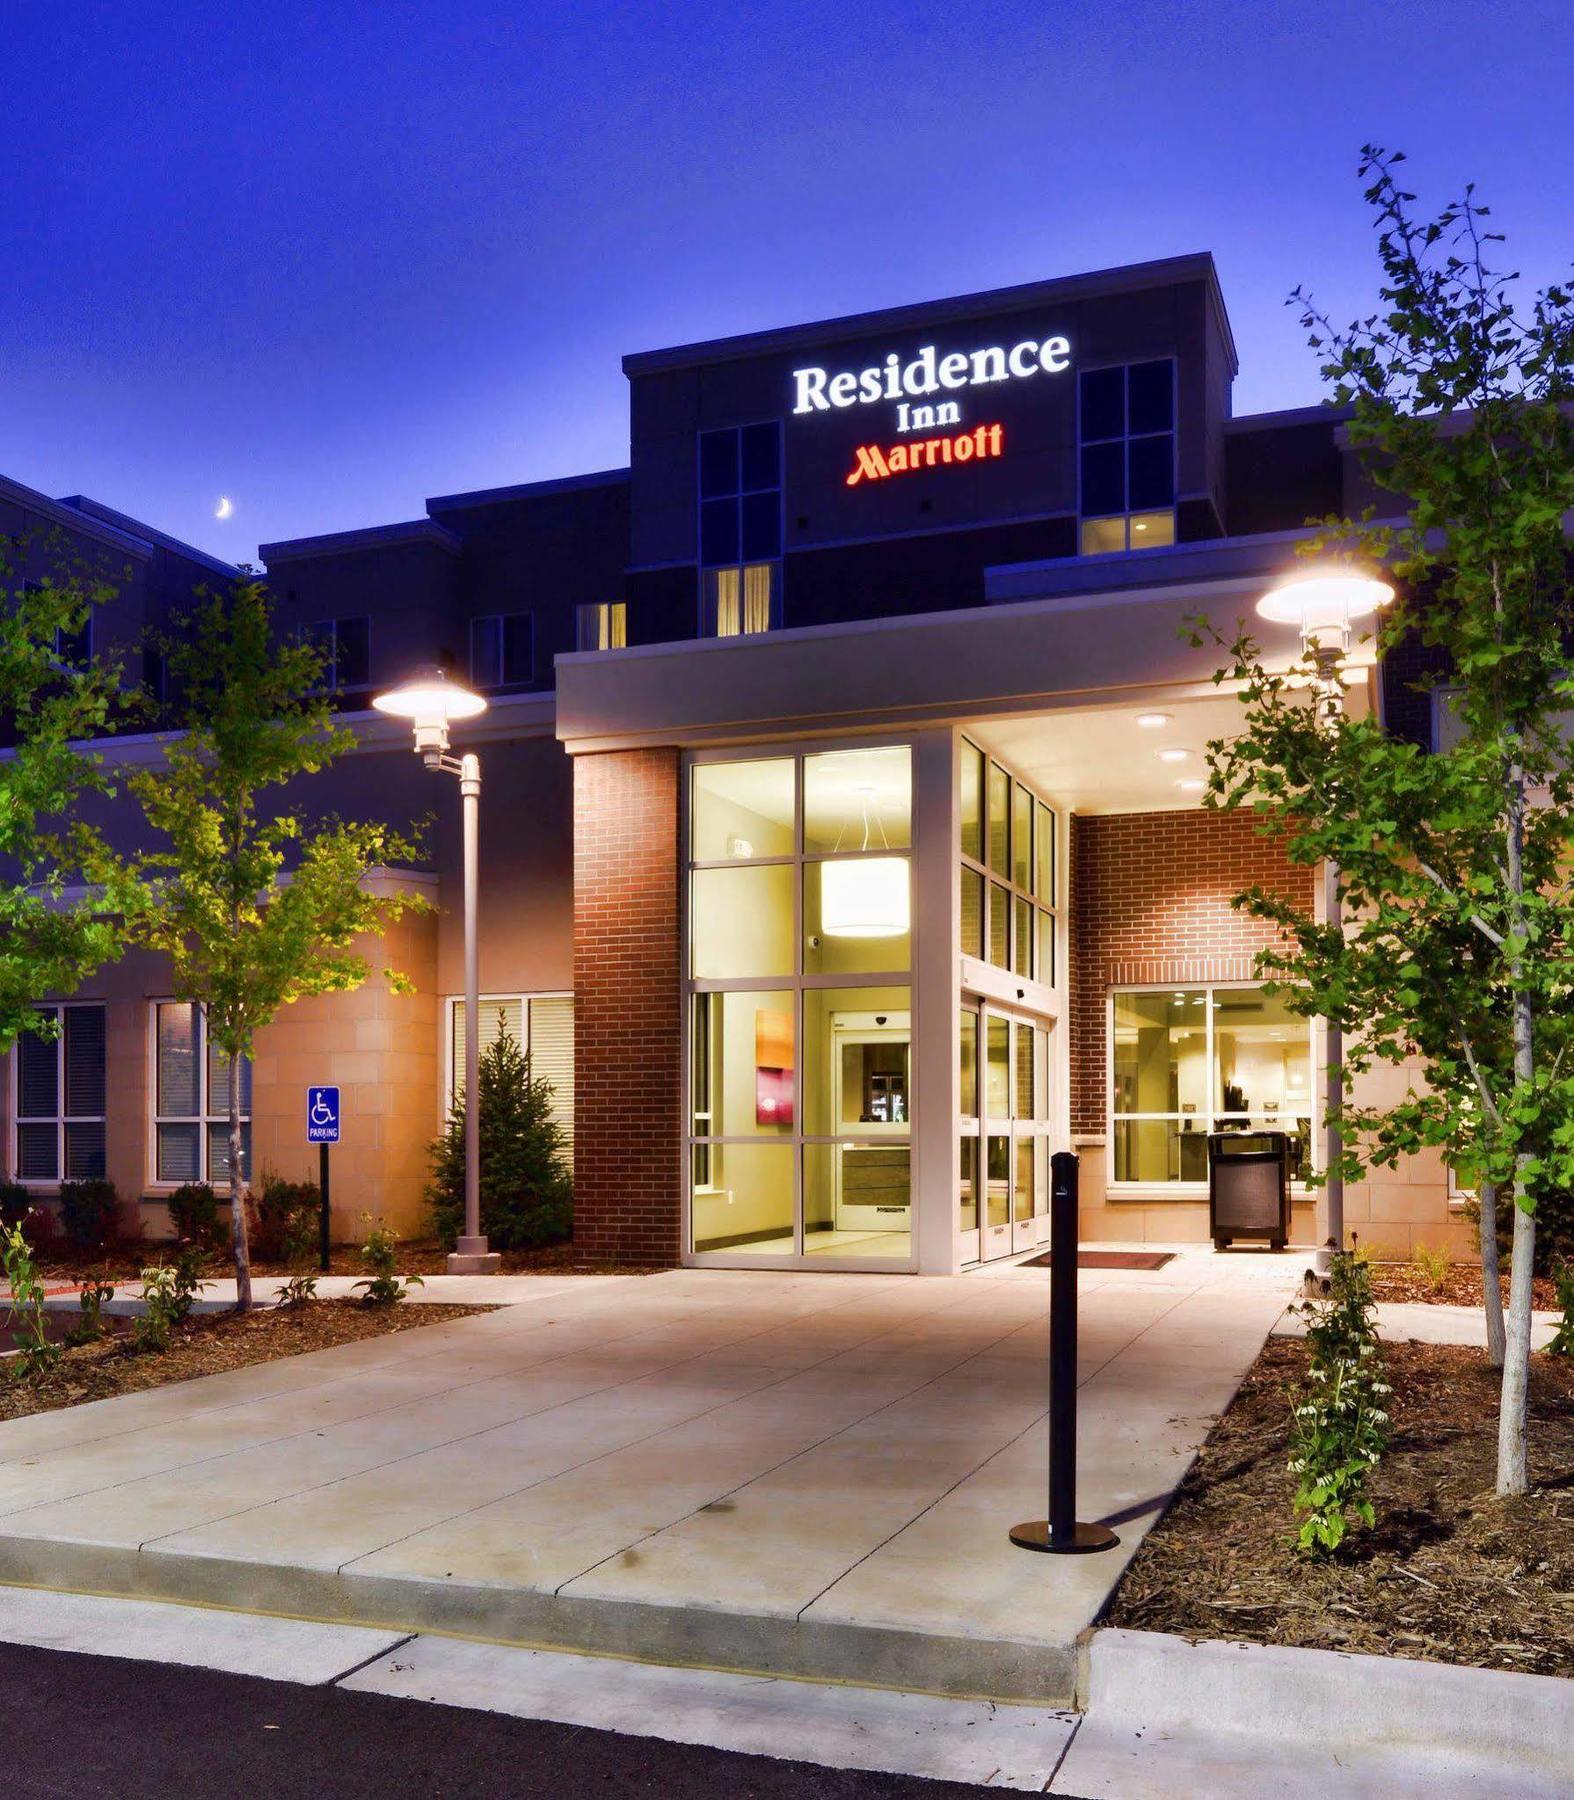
1457	950
168	1292
93	1296
89	1215
194	1214
299	1290
255	904
380	1252
1432	1266
527	1192
1563	1338
287	1216
1339	1425
36	1352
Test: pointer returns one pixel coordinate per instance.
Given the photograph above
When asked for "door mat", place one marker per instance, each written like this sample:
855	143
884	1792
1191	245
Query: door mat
1109	1259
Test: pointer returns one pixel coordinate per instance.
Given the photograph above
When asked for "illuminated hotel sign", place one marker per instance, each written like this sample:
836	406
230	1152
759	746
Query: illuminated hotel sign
817	390
981	444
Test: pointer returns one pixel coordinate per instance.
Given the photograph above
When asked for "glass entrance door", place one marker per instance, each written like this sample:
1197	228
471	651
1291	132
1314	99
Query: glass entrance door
1005	1150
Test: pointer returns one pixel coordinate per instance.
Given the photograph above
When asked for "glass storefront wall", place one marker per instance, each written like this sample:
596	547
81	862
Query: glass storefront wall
1008	899
800	1020
1188	1061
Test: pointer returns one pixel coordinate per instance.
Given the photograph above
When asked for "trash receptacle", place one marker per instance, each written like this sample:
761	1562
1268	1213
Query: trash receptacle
1249	1187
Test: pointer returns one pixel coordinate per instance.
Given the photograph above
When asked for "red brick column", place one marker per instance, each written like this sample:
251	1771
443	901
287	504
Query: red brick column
1150	897
627	999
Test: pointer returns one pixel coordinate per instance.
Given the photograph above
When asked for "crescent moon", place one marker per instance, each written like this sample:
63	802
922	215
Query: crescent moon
224	508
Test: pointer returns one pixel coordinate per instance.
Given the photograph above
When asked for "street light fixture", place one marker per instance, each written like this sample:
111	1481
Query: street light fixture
431	701
1324	603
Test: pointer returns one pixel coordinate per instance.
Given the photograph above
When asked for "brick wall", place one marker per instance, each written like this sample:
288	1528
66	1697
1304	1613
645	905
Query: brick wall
1150	897
627	1026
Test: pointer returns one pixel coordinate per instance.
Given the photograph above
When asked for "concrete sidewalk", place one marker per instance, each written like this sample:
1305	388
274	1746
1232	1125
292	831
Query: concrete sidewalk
794	1473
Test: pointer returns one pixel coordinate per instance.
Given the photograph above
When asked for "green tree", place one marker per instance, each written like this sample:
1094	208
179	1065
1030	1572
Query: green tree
255	905
1454	867
527	1192
64	891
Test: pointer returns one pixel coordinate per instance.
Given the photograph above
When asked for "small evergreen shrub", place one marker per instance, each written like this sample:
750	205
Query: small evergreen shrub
194	1215
286	1218
90	1214
527	1192
1339	1426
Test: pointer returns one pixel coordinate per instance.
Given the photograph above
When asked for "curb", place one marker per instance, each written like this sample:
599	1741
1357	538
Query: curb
1319	1720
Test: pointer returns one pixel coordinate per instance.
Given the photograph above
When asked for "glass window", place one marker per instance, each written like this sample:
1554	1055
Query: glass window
502	650
1026	1083
742	601
967	1185
1188	1061
744	1063
1023	870
857	1200
742	811
1044	844
1046	948
999	925
601	625
741	1198
997	1067
970	792
1022	913
740	526
191	1100
1022	1203
858	800
999	819
997	1180
60	1096
741	921
968	1067
857	1061
972	911
345	645
1126	433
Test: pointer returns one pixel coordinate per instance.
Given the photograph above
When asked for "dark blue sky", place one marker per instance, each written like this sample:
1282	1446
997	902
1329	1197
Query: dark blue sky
331	259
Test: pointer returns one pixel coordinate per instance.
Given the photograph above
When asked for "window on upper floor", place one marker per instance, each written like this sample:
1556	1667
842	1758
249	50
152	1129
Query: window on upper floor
346	646
503	650
59	1096
601	625
75	648
1126	439
740	528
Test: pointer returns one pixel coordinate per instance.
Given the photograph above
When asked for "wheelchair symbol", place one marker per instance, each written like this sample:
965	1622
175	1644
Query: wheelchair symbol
322	1112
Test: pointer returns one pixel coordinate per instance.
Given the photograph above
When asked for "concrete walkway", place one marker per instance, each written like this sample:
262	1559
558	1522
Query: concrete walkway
807	1474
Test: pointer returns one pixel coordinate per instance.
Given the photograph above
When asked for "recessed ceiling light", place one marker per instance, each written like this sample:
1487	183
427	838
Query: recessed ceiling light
1173	754
1152	721
1191	787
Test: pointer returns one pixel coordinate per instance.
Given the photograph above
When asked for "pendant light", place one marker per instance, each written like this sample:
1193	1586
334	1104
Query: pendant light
865	896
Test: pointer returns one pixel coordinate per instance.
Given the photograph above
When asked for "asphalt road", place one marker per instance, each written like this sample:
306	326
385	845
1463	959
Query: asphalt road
74	1725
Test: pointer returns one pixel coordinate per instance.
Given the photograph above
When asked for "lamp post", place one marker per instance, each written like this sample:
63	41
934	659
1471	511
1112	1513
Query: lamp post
432	702
1324	603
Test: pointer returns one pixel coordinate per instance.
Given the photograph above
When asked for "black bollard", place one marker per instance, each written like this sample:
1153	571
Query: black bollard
1060	1533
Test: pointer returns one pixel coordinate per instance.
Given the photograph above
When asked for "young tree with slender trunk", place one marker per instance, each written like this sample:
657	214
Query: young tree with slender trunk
63	892
1456	868
255	905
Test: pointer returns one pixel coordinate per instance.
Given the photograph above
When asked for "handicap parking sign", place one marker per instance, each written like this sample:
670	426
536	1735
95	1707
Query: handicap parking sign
322	1115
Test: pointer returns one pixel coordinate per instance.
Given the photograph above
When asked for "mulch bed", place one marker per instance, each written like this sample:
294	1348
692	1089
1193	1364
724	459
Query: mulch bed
1451	1573
58	1264
207	1345
1458	1285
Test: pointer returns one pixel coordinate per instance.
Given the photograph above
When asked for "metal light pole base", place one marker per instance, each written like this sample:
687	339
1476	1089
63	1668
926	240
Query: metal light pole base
1081	1540
470	1256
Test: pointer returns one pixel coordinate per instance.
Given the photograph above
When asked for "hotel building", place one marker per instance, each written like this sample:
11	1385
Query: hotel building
842	854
